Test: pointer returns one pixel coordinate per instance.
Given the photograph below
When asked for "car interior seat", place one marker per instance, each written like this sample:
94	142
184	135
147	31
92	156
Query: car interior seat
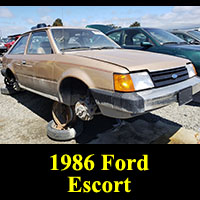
45	48
128	40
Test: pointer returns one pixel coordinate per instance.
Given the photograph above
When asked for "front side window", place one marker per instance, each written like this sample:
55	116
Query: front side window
39	43
73	39
19	48
134	38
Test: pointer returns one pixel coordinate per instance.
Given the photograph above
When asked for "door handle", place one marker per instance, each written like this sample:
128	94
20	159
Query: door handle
23	62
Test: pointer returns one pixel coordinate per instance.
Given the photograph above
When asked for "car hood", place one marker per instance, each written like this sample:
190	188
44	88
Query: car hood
133	60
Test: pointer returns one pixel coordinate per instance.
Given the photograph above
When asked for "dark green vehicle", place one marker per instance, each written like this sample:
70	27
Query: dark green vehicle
156	40
103	28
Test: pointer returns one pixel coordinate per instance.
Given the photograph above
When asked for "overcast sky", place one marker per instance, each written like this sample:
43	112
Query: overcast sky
18	19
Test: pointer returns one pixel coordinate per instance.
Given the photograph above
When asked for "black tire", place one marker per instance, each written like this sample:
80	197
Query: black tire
8	91
64	135
9	82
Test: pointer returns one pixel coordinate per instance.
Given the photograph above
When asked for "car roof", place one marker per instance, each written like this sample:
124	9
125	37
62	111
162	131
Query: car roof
179	31
182	31
129	28
57	27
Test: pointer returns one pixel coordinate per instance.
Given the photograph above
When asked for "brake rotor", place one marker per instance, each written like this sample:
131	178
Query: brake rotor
62	115
85	109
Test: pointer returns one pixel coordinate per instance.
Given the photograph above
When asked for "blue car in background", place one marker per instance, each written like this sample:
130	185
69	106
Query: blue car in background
155	40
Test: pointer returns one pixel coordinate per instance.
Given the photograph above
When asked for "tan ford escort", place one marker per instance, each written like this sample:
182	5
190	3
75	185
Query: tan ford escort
86	73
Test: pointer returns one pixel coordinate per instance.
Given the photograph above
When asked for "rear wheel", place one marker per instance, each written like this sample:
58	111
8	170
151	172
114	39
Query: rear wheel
11	86
9	81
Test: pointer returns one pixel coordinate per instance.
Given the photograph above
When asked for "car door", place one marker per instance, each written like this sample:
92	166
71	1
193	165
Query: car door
15	57
39	63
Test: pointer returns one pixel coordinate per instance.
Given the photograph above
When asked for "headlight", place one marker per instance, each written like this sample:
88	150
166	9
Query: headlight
132	82
142	80
191	70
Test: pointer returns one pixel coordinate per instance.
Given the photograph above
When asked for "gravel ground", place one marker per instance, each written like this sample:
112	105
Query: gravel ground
24	117
187	116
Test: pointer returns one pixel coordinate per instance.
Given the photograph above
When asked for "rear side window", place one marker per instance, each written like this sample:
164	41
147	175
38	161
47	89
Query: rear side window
116	36
19	48
179	35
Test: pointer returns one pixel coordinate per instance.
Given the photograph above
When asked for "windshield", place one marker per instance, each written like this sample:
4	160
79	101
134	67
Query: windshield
164	37
195	34
73	39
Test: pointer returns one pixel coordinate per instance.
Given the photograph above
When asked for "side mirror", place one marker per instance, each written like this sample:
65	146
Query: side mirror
146	44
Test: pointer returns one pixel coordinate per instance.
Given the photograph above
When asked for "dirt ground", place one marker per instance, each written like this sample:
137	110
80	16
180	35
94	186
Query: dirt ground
24	117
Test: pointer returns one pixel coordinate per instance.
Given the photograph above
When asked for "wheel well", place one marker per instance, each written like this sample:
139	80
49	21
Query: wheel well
72	89
9	74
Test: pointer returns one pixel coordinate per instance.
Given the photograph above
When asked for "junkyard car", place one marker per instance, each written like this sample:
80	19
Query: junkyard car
156	40
88	72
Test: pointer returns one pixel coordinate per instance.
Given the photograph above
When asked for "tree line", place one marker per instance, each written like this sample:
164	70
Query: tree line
58	22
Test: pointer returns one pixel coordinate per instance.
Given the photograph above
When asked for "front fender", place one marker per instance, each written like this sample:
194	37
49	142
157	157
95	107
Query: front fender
78	74
194	57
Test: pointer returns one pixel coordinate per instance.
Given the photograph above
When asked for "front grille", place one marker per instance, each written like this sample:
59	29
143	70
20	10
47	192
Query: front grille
165	77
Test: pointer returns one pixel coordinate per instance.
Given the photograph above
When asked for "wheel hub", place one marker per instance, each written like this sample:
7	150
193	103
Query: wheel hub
85	109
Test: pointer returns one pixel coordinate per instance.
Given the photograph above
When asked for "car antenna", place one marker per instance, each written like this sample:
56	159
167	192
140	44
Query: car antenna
62	31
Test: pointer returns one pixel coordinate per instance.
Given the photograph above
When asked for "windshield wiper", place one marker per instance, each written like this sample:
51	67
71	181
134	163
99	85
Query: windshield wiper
170	43
106	47
72	48
91	48
176	43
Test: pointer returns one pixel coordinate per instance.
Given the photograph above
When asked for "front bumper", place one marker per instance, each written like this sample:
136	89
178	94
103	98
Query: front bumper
128	105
